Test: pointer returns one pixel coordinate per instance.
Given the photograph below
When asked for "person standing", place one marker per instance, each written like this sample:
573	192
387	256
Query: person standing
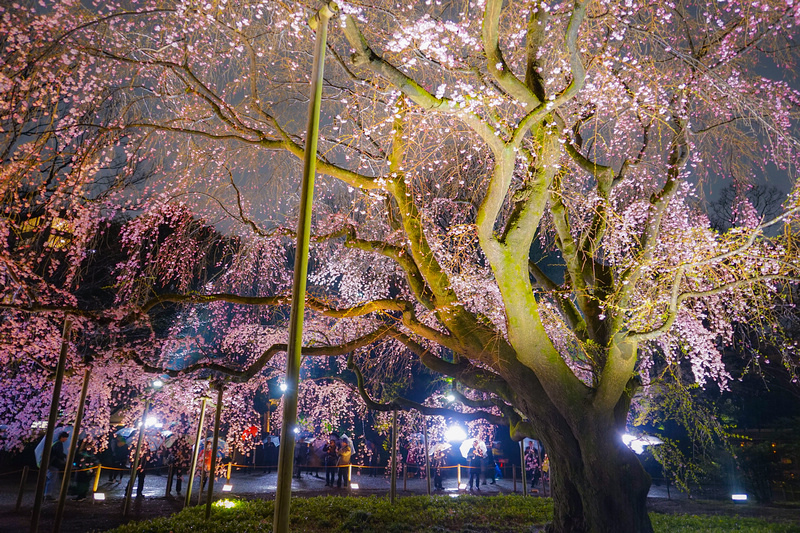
270	456
119	459
343	463
58	460
489	472
330	462
438	465
372	458
532	464
84	468
475	457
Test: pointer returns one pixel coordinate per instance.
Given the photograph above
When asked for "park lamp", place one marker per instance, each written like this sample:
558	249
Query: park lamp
157	384
99	496
740	497
455	433
283	387
450	397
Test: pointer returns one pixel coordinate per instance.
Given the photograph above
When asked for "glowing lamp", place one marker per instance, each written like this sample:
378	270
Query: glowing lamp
455	433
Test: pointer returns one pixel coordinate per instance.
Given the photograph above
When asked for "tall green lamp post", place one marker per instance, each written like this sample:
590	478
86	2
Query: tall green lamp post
283	491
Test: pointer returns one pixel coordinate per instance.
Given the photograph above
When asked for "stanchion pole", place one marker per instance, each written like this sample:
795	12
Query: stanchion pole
228	474
405	477
196	452
213	468
459	475
22	482
97	478
51	426
514	475
349	473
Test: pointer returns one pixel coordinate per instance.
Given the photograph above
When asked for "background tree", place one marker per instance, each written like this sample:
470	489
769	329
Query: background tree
459	141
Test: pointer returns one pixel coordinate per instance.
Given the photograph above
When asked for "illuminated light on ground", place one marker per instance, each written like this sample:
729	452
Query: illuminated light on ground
354	486
739	497
99	496
463	486
227	488
227	504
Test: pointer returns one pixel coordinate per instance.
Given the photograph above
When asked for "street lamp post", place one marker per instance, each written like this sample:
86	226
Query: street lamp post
283	491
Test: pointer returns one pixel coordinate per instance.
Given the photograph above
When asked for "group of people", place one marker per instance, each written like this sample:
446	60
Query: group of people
537	466
477	461
83	465
333	454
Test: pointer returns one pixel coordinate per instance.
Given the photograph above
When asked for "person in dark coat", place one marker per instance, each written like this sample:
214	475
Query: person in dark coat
331	457
475	457
438	465
271	456
84	471
489	472
372	458
119	459
58	460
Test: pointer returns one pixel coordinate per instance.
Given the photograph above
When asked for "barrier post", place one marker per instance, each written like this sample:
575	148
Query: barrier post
514	475
459	475
97	478
349	473
22	481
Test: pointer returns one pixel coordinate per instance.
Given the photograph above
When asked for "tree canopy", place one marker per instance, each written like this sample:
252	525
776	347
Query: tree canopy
511	192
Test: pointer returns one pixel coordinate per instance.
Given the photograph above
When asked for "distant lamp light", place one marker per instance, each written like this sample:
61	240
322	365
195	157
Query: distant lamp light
157	384
455	433
99	496
283	387
739	497
296	430
450	397
151	422
227	487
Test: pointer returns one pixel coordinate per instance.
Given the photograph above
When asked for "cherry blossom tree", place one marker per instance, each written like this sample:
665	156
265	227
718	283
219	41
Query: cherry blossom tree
510	191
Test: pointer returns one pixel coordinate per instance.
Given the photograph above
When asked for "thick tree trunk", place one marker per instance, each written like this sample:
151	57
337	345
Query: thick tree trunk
598	484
